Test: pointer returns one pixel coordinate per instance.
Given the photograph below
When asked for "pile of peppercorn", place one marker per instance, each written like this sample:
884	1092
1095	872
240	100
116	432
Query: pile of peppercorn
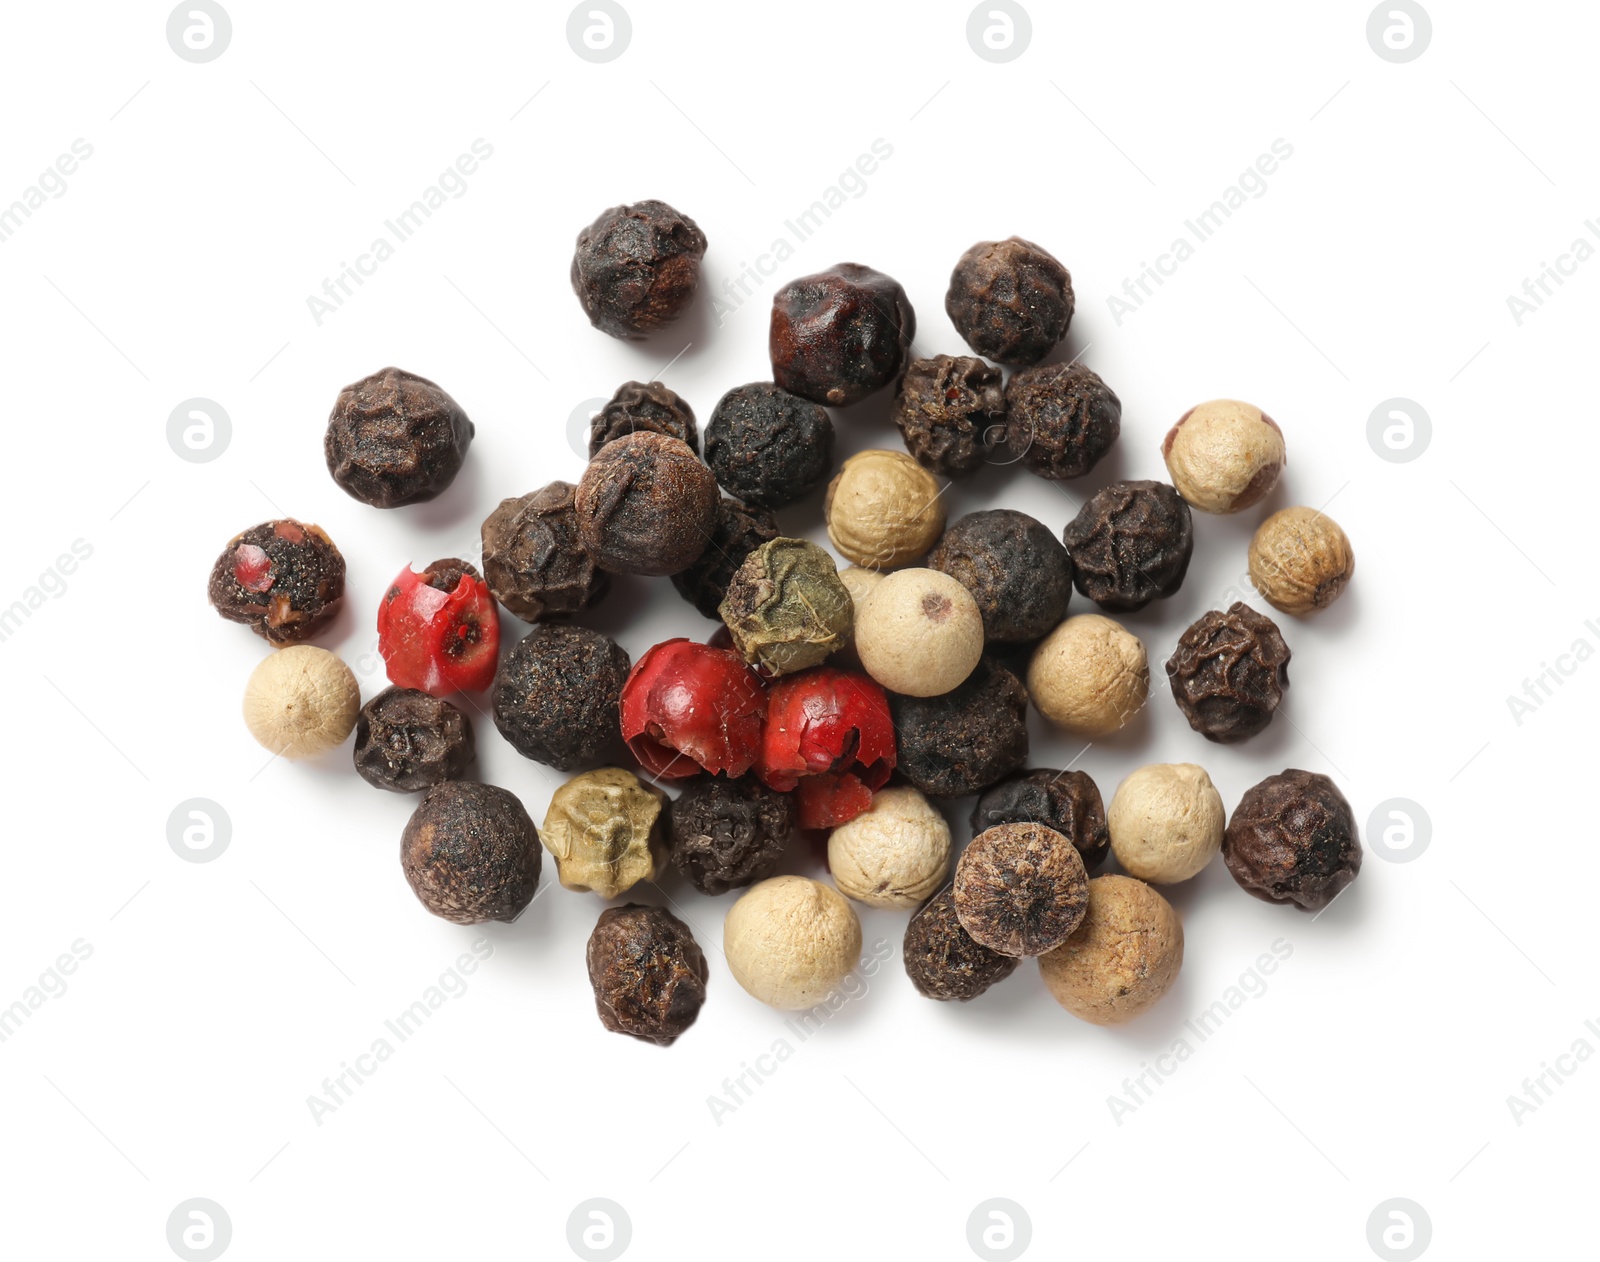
848	701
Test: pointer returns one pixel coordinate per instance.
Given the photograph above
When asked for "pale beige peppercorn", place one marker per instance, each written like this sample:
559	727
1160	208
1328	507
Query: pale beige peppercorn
301	701
606	831
1224	456
1300	560
1123	957
1166	821
894	854
883	509
1090	675
790	941
919	633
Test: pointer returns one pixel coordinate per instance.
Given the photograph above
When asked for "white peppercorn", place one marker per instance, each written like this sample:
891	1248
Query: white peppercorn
1224	456
1300	560
790	941
895	854
301	701
1166	822
1089	676
919	633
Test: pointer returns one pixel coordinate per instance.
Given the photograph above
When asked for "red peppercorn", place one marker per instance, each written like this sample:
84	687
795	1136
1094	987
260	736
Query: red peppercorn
829	738
438	630
689	707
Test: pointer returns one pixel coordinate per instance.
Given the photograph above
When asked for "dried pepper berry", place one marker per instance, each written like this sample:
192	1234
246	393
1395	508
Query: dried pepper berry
830	739
689	707
438	630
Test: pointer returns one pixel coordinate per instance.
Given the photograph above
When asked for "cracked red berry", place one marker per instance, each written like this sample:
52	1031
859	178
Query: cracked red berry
689	707
830	739
438	630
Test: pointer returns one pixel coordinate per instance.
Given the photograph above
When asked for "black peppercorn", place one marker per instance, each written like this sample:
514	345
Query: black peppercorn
283	579
533	560
1060	419
1067	801
636	268
1130	543
1020	889
556	696
1293	839
407	741
471	854
648	973
646	505
1015	568
943	960
767	446
1228	673
727	834
966	739
395	438
951	411
739	532
638	407
1010	300
840	334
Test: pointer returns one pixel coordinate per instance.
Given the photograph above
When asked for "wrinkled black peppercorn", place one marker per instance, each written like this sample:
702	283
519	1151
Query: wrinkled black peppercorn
1228	673
1293	839
556	695
395	438
951	411
283	579
636	267
966	739
1067	801
407	741
471	854
639	407
1010	300
739	532
533	560
1015	568
767	446
727	834
648	973
943	960
1130	543
1060	419
1020	889
840	334
646	505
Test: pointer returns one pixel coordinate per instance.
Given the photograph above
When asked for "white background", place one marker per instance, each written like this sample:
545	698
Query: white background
219	995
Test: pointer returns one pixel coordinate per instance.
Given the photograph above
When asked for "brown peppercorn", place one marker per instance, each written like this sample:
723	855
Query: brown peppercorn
839	335
395	438
1300	560
883	509
951	411
1020	889
557	693
965	740
471	854
1010	300
643	408
727	834
636	268
1293	839
1228	673
768	447
1015	568
786	608
283	579
646	505
648	973
407	741
1060	419
533	560
943	960
1067	801
739	532
1130	544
